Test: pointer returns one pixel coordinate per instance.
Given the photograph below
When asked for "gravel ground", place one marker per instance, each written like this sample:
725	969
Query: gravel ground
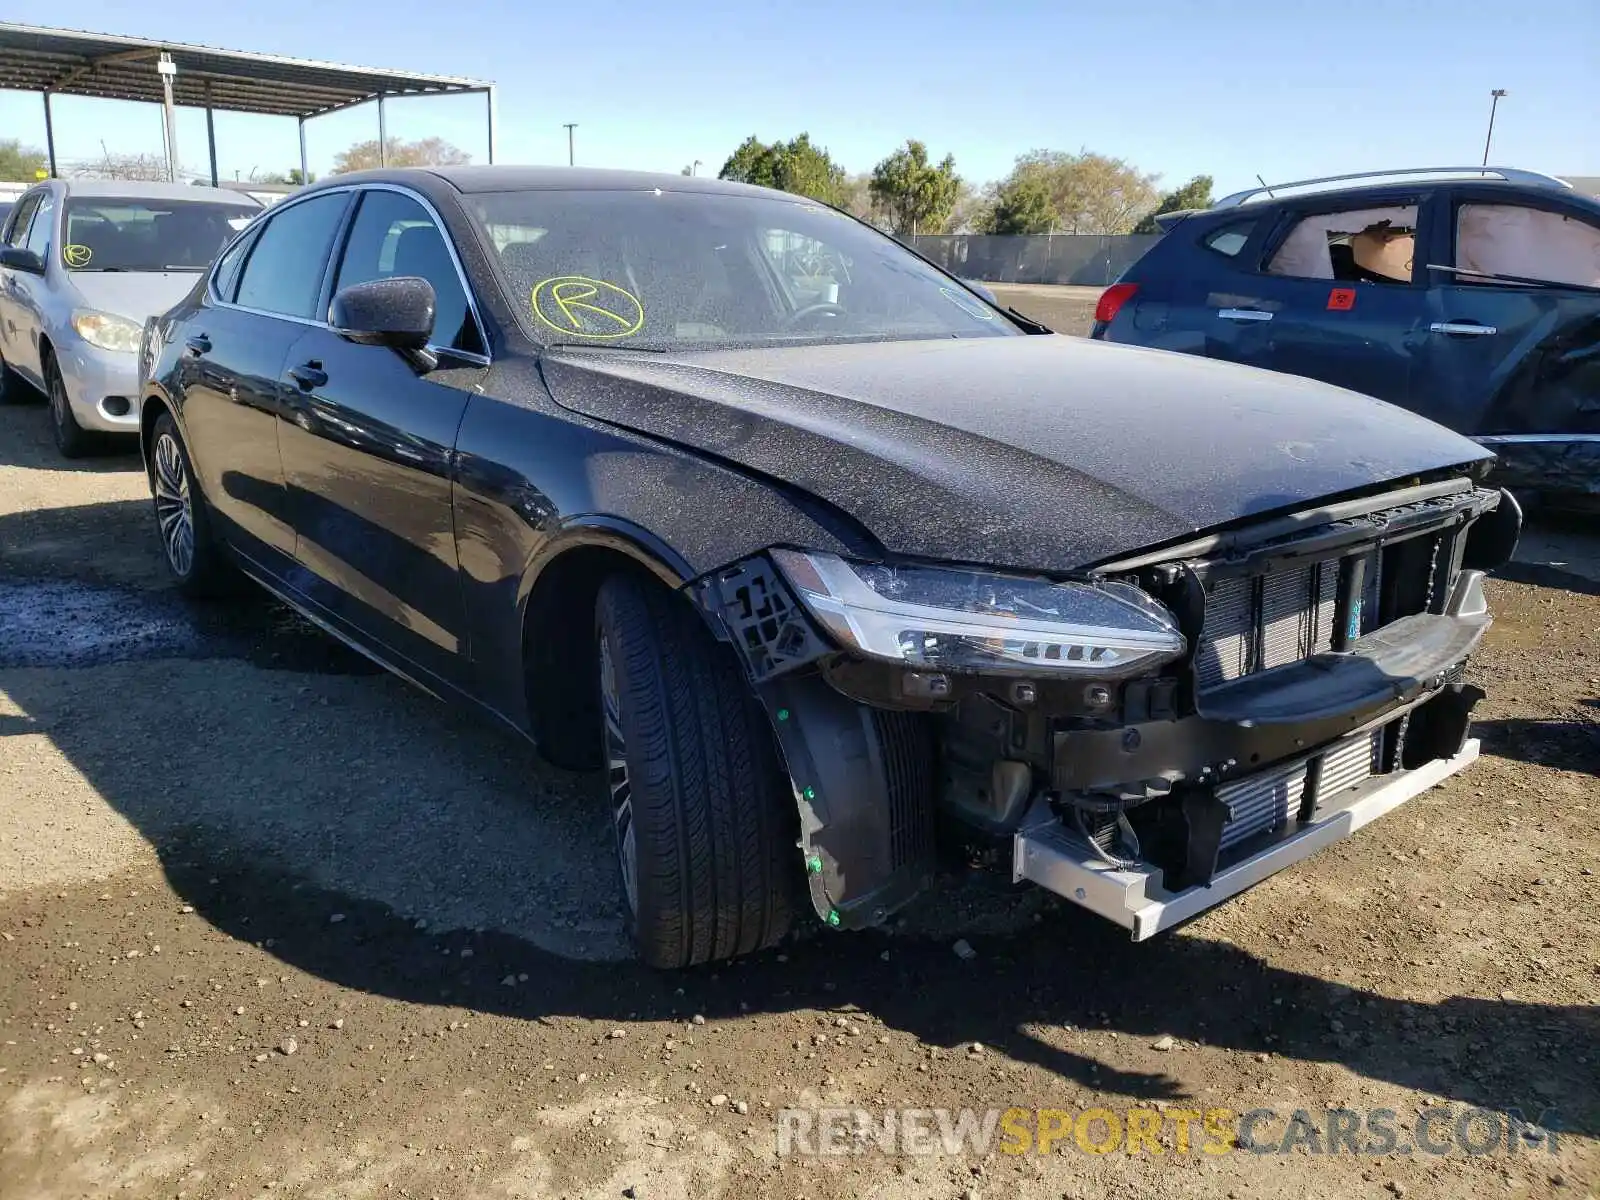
272	922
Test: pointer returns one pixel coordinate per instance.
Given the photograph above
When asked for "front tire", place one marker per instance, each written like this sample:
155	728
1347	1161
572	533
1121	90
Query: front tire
189	546
704	823
72	439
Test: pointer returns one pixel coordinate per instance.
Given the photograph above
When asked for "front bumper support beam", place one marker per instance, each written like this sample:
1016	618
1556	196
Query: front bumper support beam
1055	857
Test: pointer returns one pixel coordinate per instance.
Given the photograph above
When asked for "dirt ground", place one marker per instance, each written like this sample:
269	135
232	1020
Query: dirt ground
273	923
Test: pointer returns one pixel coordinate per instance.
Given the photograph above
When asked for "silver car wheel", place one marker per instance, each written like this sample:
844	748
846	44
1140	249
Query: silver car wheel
174	510
620	786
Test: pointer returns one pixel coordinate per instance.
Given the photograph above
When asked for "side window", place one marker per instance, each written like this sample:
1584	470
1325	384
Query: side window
1230	238
21	217
1526	243
1361	245
393	235
226	278
43	221
283	273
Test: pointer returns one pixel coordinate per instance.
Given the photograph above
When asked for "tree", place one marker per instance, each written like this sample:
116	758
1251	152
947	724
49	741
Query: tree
150	168
1022	204
795	166
425	152
19	163
291	176
1194	194
1089	192
915	195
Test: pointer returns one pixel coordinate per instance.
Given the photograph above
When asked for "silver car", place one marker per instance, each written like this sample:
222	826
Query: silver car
82	264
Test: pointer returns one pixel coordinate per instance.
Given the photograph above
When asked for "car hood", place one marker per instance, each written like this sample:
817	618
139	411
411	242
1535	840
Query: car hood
1044	452
133	294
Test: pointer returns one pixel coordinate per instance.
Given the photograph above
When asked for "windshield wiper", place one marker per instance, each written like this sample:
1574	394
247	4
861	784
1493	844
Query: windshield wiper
1027	322
638	349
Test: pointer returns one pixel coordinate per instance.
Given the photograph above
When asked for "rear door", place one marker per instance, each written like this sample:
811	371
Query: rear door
1334	295
261	297
369	447
1509	357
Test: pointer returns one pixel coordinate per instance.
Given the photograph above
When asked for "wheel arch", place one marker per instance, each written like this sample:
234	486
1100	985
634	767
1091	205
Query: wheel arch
556	600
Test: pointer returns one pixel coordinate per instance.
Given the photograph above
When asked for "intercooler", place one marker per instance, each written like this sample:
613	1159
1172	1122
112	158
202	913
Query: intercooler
1271	799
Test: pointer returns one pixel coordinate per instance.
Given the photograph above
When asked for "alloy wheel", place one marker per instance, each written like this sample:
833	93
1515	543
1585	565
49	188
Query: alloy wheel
174	508
617	781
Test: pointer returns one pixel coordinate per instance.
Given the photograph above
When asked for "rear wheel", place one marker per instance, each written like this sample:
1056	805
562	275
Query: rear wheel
704	823
194	557
72	440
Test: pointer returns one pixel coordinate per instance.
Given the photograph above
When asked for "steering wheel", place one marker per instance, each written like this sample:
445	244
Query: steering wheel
812	310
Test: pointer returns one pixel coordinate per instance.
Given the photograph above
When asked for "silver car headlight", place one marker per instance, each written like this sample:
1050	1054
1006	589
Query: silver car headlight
107	330
952	619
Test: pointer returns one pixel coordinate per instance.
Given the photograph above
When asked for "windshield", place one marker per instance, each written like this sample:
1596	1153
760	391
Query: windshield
111	233
674	270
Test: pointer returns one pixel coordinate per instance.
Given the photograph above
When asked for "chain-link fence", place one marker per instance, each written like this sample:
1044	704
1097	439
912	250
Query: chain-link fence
1083	258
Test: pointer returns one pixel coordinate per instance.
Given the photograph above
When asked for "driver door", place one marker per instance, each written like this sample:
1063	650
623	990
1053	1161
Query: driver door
368	449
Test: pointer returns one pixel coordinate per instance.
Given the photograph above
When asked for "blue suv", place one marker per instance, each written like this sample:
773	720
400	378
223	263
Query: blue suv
1469	295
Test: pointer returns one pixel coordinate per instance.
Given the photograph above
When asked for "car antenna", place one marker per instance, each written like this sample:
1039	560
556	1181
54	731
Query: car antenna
1267	186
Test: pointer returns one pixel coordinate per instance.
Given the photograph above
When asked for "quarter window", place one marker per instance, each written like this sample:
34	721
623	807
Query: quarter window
1230	239
393	236
39	231
284	271
21	217
1360	245
226	280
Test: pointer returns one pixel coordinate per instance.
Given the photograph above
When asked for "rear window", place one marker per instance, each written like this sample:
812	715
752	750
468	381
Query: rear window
114	233
1230	239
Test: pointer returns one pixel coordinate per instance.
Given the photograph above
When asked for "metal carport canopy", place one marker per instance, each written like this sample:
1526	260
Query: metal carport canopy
68	62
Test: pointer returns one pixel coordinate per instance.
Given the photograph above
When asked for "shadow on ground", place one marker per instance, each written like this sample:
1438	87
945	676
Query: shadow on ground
217	810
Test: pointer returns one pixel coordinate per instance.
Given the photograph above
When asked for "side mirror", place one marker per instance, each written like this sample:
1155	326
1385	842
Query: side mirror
397	313
19	259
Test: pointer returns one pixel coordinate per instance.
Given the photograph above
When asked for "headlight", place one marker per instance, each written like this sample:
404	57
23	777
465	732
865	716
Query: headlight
959	620
107	331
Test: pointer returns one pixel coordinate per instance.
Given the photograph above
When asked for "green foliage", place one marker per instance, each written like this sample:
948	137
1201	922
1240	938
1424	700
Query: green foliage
794	166
19	163
1022	204
915	195
1194	194
425	152
1089	192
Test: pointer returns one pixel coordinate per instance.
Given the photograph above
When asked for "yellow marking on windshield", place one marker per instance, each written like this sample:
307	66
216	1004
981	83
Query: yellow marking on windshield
77	256
588	308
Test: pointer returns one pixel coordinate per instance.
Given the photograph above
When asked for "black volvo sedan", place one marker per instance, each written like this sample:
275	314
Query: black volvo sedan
815	549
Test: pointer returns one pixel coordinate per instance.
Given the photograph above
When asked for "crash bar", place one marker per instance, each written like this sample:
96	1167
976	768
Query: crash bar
1508	174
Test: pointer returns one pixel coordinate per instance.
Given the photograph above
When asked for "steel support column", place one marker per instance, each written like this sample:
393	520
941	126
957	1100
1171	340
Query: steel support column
49	136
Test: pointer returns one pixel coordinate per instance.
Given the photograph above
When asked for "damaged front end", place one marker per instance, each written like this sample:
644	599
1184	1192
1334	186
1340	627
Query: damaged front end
1145	740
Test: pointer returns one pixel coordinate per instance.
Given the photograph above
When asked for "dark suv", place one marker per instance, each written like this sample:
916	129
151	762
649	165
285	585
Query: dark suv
1469	295
810	547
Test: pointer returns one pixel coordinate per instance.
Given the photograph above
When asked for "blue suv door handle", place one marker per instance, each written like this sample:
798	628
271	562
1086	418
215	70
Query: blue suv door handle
1243	314
1466	328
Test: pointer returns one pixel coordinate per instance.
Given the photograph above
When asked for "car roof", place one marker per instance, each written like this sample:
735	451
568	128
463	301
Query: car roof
523	179
139	189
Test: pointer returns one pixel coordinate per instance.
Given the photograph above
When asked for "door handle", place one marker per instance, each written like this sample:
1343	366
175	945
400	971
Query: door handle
198	344
1243	314
309	376
1464	328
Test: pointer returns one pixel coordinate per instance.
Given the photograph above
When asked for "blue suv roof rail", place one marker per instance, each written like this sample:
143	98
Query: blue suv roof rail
1508	174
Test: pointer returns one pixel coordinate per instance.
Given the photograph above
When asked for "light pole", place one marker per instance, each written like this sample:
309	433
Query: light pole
694	169
1494	102
570	126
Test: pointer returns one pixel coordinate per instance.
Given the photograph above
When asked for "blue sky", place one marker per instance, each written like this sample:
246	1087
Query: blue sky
1225	87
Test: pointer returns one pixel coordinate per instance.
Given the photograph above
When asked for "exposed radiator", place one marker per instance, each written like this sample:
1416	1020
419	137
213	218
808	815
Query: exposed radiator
1262	802
1254	623
1270	799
